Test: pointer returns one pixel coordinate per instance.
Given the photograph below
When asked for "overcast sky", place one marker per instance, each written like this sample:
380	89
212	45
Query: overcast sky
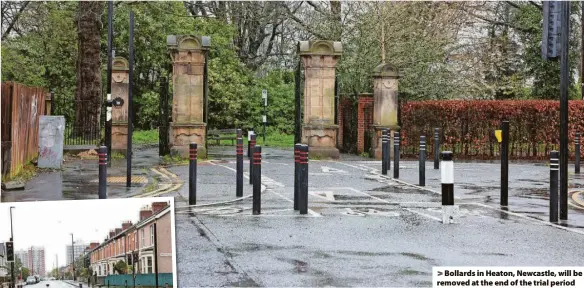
50	223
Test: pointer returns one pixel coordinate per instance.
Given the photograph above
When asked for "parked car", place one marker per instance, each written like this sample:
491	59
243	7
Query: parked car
31	280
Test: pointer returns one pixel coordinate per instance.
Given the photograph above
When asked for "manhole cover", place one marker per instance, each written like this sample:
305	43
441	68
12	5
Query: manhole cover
121	179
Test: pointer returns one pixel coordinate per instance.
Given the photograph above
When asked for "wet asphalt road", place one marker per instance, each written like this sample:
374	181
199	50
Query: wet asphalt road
362	229
51	284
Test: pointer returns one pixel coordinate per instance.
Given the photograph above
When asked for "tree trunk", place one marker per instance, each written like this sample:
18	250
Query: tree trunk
88	94
337	20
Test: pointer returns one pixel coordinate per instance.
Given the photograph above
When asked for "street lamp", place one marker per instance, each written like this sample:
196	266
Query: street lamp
73	256
11	240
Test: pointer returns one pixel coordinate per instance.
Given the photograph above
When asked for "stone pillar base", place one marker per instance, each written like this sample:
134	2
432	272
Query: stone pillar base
181	135
321	140
120	138
376	143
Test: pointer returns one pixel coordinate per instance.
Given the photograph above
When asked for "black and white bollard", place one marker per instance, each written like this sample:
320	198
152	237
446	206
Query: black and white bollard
436	148
239	165
396	155
193	174
505	164
257	179
252	143
384	152
449	211
102	190
303	192
554	172
422	167
296	174
577	160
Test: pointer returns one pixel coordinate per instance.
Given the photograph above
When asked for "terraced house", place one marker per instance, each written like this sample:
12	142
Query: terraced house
134	244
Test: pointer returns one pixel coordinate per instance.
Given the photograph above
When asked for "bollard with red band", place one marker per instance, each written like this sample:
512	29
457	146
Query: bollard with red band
252	143
193	174
239	165
102	190
303	191
296	174
257	179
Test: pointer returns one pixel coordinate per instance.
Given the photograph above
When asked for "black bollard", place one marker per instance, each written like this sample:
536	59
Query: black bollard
384	151
422	168
193	174
249	133
126	283
447	178
505	164
257	179
296	173
239	165
252	143
396	155
388	150
554	167
577	160
436	148
303	192
102	190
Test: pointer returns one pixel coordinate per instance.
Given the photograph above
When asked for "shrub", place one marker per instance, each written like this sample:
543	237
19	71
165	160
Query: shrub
467	127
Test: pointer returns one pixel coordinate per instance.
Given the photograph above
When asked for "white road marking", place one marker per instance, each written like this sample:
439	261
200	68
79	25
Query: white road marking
328	195
292	201
319	174
424	214
327	169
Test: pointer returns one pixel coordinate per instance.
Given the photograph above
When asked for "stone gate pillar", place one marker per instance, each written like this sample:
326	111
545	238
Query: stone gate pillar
385	104
319	130
120	86
188	61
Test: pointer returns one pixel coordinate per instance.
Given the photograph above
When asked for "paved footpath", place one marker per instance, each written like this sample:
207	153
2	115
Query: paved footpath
364	229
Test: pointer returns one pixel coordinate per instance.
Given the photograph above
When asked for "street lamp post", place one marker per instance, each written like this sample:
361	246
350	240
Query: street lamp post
73	256
12	239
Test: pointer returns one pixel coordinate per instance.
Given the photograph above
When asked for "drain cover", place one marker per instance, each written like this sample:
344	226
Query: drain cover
121	179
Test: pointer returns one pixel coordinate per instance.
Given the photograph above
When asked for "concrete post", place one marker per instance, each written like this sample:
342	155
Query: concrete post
188	61
120	88
385	104
319	130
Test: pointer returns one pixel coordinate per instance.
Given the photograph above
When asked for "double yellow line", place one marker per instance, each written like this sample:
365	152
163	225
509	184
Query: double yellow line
166	187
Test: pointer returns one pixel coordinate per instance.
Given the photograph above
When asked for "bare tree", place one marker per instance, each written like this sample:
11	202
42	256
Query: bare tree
11	11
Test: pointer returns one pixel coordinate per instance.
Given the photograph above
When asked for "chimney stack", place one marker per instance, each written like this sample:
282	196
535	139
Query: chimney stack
126	225
118	231
112	233
145	212
158	206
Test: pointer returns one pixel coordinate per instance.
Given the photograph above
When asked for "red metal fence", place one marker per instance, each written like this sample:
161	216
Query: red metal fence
21	110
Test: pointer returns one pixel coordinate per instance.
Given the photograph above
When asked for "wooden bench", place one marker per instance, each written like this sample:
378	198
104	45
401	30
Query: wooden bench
222	134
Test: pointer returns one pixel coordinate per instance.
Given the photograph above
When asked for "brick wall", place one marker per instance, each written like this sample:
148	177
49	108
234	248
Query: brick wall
364	119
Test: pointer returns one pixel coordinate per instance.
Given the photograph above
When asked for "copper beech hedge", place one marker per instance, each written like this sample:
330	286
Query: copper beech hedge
467	127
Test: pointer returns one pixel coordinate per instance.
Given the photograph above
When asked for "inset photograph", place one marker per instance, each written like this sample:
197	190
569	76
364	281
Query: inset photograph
88	243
